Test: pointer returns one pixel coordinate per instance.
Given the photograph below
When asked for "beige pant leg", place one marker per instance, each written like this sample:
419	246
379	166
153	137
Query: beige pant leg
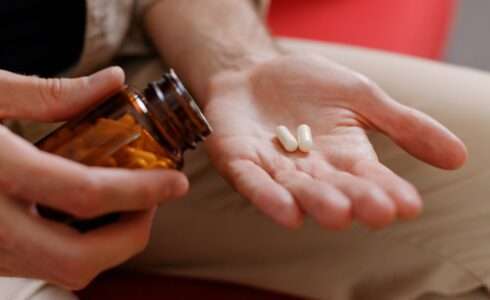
480	294
216	234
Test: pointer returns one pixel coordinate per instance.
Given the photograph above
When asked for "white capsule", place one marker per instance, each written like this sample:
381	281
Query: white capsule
305	138
288	141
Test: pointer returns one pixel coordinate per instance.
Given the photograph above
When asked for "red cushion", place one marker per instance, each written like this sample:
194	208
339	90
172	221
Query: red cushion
132	286
411	27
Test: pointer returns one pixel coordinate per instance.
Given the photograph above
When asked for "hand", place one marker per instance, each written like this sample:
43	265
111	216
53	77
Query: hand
341	178
31	246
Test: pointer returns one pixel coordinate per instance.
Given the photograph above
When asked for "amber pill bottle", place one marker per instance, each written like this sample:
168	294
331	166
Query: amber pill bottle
131	129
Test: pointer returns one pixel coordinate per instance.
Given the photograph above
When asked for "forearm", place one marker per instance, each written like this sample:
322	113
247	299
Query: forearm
202	38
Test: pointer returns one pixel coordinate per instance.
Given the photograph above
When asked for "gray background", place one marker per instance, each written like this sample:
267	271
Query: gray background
469	43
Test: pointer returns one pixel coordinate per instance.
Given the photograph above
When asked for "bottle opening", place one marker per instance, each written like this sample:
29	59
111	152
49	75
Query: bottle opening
178	115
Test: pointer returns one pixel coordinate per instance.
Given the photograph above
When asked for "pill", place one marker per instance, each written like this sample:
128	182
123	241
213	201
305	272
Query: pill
127	119
147	156
288	141
305	139
137	163
160	164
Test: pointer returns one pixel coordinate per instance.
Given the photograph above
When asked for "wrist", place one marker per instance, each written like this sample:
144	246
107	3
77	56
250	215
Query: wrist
210	38
243	61
227	64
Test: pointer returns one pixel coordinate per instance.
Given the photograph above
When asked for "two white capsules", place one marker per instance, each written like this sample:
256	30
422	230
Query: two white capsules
304	141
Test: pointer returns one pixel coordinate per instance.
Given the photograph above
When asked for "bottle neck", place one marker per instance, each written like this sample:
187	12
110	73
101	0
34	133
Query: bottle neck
175	113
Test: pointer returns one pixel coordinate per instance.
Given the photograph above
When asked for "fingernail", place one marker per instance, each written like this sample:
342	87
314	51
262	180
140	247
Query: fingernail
178	186
113	76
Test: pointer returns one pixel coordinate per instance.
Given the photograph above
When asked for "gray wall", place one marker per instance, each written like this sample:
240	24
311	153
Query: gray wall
470	40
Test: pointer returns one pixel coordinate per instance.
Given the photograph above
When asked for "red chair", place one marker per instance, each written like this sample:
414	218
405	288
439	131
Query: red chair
133	286
410	27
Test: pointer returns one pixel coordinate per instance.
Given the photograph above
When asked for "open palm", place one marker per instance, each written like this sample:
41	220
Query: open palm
341	178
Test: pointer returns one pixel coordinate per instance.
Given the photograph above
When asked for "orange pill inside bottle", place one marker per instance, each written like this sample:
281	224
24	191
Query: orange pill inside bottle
131	129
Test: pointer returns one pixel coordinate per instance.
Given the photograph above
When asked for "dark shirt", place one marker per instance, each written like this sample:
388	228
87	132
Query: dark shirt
41	37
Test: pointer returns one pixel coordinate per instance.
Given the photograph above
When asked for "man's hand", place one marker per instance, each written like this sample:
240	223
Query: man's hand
341	178
31	246
247	87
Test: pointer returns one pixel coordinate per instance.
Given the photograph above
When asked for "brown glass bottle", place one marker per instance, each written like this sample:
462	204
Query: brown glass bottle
131	129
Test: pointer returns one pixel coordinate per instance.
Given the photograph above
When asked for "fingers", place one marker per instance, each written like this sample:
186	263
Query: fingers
81	191
405	196
332	198
89	193
28	97
274	200
110	246
370	204
416	132
43	249
329	207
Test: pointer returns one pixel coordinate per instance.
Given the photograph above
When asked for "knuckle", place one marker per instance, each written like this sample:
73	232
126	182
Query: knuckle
51	90
87	200
363	80
367	190
50	93
373	191
362	85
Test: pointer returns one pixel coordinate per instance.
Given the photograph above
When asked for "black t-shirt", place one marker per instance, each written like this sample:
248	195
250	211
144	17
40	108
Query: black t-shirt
41	37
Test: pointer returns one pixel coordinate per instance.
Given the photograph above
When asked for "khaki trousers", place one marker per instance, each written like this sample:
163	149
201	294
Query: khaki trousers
445	254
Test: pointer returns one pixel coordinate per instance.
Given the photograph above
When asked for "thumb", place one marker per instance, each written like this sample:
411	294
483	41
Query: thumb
33	98
414	131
